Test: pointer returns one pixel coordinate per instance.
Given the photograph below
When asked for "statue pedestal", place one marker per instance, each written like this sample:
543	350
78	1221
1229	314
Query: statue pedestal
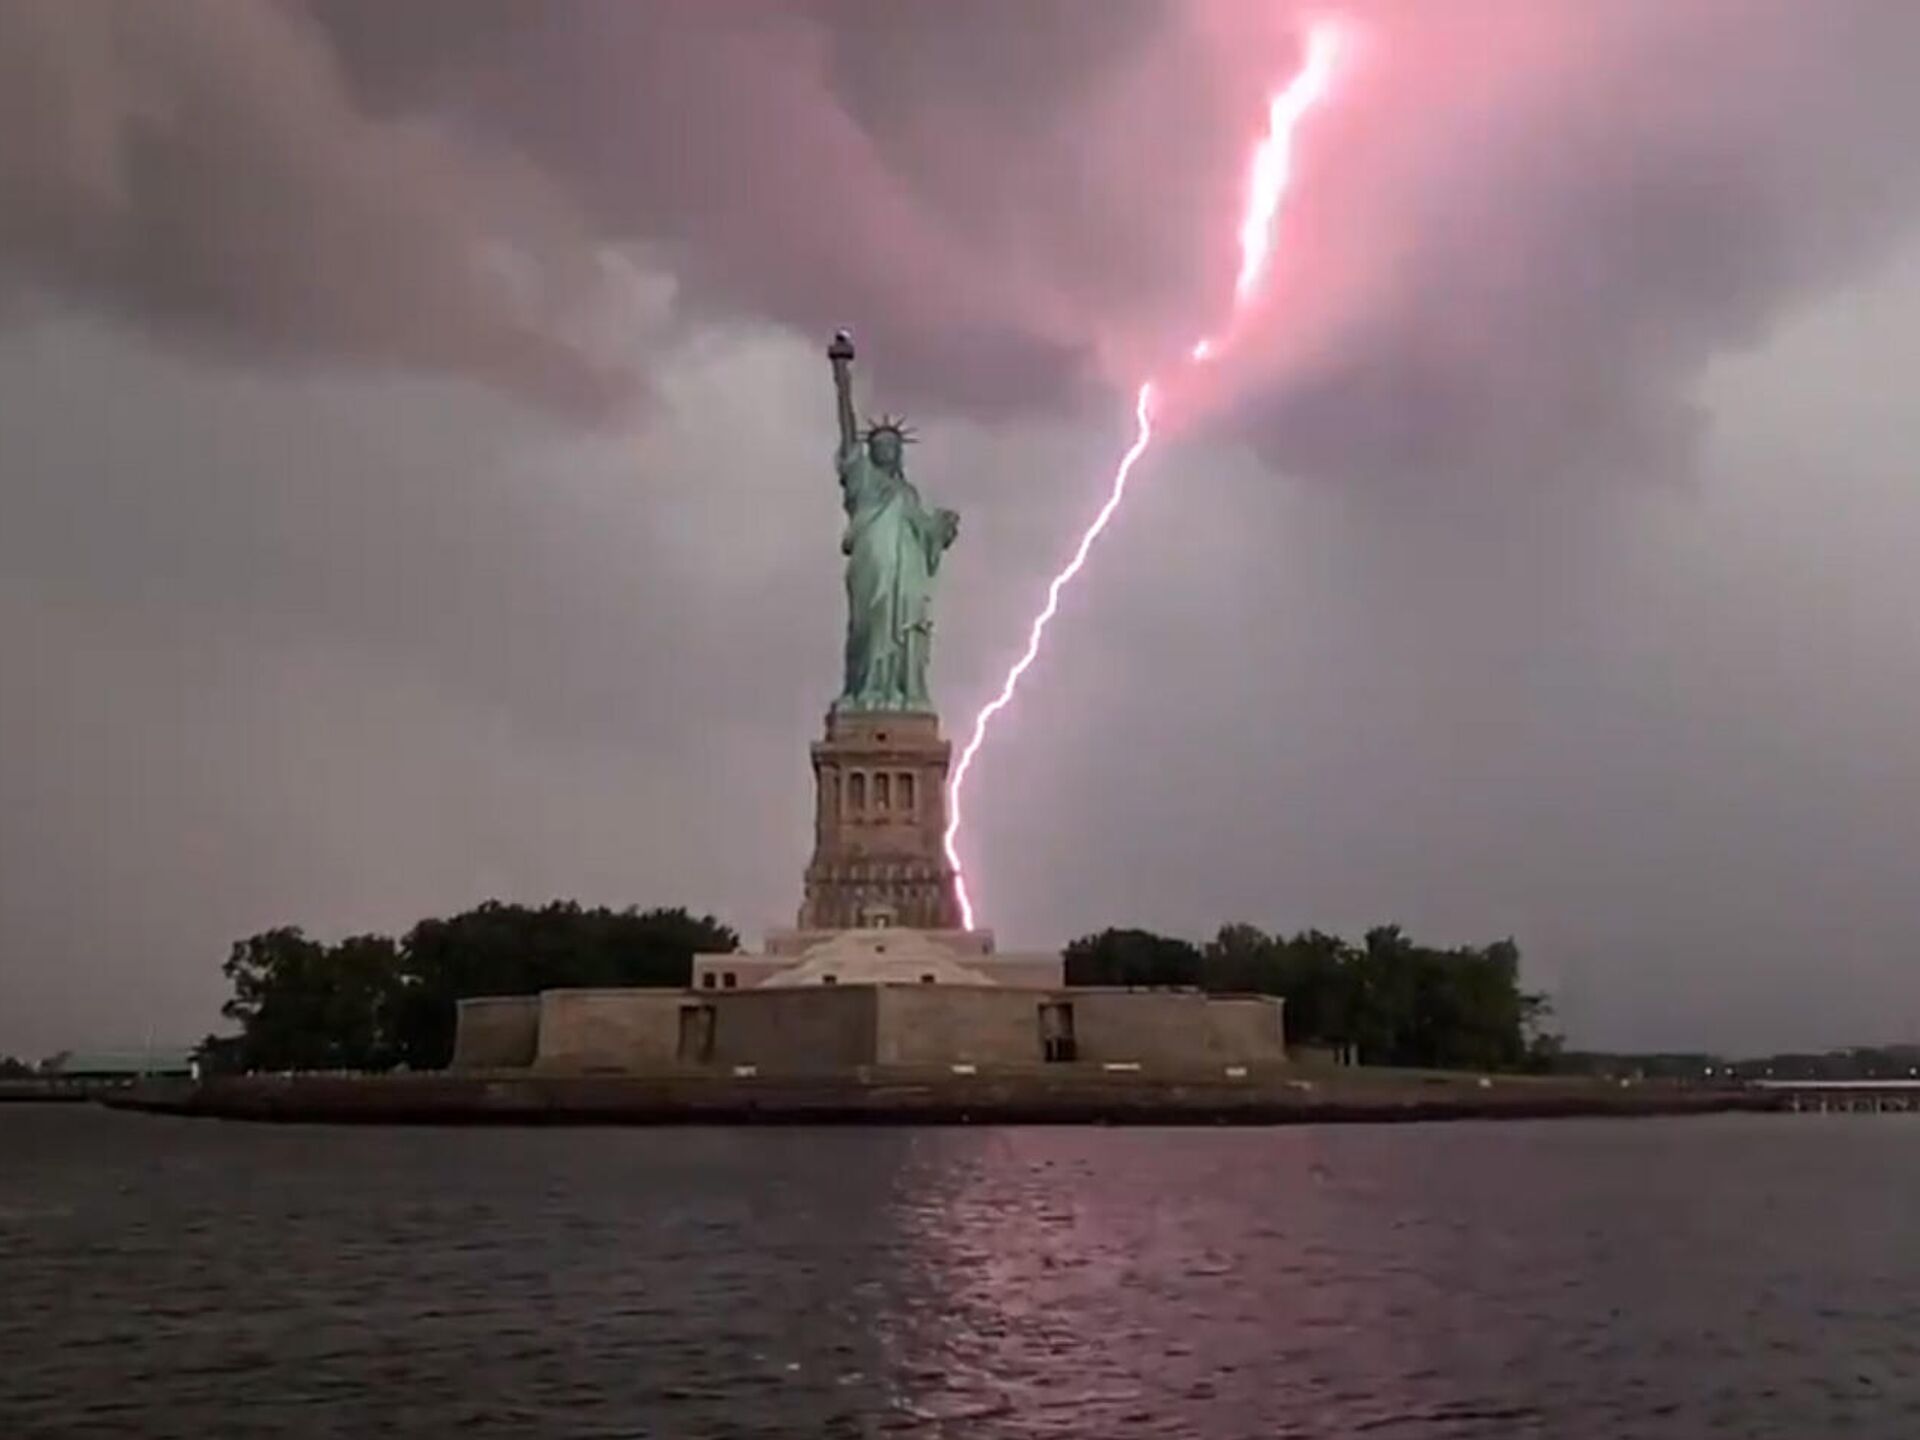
880	815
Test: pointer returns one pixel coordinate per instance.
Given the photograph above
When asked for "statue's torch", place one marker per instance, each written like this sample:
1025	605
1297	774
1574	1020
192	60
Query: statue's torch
840	355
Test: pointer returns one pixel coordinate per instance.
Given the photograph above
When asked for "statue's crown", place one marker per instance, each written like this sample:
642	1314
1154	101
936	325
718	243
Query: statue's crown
893	425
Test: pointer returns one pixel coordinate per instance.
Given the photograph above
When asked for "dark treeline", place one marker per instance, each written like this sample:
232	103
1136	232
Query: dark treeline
1393	1001
371	1002
12	1069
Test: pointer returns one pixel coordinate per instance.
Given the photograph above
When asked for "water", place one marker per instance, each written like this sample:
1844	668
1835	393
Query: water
1746	1276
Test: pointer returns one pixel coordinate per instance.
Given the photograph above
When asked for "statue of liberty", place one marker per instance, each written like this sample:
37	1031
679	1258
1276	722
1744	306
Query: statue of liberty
893	544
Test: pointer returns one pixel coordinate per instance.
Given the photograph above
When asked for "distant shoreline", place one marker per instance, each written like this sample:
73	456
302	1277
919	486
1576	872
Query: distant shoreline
920	1098
45	1092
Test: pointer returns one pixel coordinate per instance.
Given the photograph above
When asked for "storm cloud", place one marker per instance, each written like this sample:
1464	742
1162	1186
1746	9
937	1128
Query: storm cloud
1520	233
411	486
202	168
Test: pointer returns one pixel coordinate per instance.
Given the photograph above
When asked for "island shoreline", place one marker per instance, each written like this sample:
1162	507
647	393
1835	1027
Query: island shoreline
883	1099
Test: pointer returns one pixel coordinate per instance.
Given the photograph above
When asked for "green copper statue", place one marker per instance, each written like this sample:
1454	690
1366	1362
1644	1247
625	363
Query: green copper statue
893	546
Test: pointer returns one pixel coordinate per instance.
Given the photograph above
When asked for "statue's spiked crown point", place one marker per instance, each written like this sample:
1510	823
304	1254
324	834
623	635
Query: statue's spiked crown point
894	425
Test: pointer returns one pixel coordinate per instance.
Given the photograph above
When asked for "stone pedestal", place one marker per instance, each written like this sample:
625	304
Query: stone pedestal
880	815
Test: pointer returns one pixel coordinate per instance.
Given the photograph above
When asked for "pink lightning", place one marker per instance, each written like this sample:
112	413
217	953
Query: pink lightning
1267	181
1273	158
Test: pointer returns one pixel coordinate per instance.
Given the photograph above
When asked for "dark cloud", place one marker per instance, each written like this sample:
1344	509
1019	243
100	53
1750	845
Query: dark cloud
1520	228
201	168
719	137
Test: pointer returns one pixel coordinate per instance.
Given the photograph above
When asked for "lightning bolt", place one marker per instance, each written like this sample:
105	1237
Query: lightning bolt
1272	168
1267	180
1143	418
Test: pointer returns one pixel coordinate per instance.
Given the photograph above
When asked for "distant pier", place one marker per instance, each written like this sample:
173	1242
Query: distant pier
1857	1096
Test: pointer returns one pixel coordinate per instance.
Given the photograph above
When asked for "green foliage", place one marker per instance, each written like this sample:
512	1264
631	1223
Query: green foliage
302	1005
371	1003
1396	1002
222	1054
1131	957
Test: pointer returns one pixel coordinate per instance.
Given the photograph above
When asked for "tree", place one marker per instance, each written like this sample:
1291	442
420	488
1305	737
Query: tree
1396	1002
1313	971
370	1003
1132	957
1242	959
1385	999
500	949
222	1054
302	1005
12	1069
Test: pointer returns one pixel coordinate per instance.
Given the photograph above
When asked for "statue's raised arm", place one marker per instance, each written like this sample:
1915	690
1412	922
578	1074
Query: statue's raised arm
840	354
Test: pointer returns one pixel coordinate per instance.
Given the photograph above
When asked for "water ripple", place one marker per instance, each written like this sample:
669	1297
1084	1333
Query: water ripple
1746	1277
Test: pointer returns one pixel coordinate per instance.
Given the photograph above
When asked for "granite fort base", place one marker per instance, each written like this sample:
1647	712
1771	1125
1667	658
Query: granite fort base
813	1001
834	1028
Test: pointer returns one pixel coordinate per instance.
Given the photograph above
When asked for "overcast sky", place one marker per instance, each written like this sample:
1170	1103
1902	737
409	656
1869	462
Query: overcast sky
414	483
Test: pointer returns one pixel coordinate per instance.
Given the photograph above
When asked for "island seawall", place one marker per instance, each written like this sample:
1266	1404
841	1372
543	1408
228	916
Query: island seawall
880	1098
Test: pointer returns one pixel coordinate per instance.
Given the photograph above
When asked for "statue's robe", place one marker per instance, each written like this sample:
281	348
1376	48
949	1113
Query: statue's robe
893	544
